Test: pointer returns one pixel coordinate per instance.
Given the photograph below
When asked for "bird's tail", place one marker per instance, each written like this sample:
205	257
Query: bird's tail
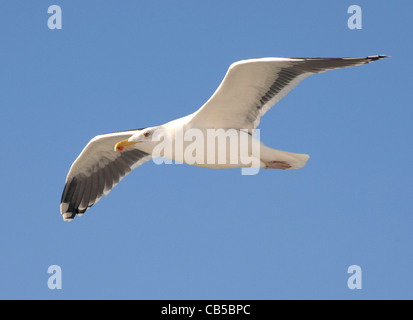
298	161
271	158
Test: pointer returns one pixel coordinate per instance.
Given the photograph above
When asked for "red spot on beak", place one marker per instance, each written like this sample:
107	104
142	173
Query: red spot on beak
121	148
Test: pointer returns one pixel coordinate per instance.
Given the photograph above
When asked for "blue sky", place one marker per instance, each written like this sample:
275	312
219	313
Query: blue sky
181	232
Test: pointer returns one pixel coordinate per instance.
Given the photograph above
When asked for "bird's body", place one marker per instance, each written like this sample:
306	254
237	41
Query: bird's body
221	134
214	148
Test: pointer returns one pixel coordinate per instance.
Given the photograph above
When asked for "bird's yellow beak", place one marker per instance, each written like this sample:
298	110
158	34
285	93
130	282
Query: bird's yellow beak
124	144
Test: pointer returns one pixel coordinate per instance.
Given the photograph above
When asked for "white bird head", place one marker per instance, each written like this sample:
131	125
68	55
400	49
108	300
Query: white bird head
145	140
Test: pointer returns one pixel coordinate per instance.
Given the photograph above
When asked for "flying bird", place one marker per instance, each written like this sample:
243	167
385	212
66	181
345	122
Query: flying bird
249	89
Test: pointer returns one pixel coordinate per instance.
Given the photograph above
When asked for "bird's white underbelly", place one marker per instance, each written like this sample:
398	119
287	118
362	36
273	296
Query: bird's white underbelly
211	148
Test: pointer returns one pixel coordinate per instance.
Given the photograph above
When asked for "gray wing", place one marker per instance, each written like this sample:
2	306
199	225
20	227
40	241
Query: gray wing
251	87
96	171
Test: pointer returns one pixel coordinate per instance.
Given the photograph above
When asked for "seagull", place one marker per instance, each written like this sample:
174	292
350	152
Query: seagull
249	89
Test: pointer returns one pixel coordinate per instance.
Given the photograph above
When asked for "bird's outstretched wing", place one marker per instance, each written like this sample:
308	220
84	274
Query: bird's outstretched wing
96	171
251	87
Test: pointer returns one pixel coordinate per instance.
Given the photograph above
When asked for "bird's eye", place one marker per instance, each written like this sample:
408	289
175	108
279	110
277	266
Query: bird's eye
146	134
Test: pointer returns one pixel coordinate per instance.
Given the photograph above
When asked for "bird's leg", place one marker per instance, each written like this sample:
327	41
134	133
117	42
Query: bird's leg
277	165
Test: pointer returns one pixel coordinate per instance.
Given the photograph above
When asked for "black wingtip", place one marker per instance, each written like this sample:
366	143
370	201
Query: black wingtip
377	57
68	216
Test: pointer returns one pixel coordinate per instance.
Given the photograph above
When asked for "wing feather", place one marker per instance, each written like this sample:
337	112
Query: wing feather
96	171
251	87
